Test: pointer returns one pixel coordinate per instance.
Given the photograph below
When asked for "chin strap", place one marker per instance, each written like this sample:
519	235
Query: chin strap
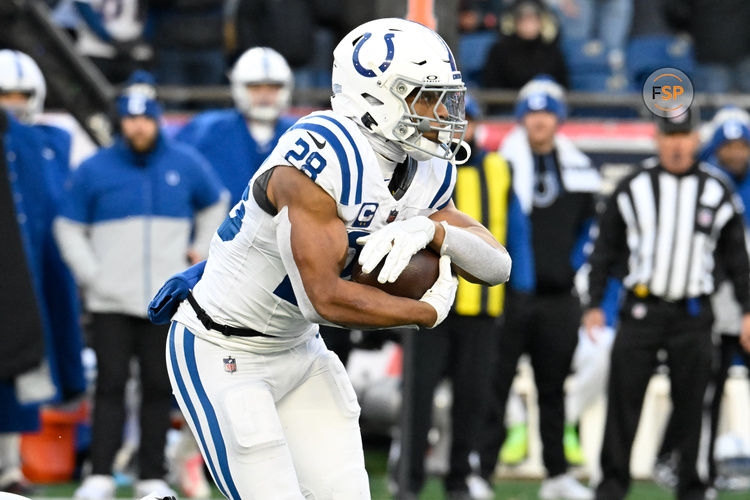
390	150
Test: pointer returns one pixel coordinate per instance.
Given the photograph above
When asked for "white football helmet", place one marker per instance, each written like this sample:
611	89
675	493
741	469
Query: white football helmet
19	73
381	63
257	66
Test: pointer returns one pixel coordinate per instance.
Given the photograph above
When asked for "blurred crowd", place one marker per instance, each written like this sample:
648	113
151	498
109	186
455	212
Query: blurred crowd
606	45
139	211
588	45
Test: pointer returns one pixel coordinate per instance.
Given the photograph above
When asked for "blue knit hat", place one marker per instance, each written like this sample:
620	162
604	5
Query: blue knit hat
542	93
729	130
138	96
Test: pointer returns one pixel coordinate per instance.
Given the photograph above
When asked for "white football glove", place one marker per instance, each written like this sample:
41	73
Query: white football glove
400	241
443	292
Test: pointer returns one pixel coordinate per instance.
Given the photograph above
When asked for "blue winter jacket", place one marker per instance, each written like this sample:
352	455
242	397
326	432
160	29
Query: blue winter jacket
222	136
128	221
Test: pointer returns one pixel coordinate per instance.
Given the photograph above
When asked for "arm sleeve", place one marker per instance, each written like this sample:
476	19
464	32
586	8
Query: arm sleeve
522	277
610	246
76	200
72	239
70	228
731	251
578	256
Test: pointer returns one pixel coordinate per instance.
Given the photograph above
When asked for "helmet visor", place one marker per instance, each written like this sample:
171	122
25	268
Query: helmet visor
435	113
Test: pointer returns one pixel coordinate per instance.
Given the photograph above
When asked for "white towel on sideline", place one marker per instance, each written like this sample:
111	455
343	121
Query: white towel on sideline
577	173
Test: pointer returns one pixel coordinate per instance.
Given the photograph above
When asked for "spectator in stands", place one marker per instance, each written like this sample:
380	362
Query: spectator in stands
463	347
607	21
189	41
528	46
112	35
556	185
477	15
236	141
649	18
41	354
125	227
287	26
721	40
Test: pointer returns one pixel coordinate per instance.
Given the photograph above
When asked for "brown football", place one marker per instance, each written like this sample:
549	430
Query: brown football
417	277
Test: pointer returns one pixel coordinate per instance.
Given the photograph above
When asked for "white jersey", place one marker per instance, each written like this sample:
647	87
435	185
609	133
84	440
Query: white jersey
245	283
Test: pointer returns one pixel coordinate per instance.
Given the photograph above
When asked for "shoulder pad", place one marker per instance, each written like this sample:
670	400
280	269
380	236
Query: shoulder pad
329	149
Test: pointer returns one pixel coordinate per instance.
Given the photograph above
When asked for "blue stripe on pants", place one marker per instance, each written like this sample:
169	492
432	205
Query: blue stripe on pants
213	423
191	409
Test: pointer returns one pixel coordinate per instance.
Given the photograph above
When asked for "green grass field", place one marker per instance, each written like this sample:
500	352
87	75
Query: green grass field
376	467
507	490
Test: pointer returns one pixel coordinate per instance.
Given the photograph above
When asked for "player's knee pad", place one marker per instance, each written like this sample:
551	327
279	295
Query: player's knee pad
351	484
255	426
342	386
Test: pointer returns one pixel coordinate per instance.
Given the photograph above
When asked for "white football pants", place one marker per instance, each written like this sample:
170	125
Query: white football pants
277	426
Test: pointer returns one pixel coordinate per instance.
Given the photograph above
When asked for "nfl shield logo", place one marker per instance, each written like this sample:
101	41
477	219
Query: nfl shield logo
705	217
230	365
391	216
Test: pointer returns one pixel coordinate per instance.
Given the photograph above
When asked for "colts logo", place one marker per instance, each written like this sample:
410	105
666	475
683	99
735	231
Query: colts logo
368	73
365	215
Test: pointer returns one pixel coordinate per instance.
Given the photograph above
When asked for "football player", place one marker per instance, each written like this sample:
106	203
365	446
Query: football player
272	408
22	93
236	141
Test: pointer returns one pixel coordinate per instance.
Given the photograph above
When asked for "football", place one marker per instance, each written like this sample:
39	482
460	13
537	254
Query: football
417	277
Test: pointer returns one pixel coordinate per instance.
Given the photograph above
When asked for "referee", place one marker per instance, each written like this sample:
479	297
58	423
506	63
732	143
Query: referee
665	229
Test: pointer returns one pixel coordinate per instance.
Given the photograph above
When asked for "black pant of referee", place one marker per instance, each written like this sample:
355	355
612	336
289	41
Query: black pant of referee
683	329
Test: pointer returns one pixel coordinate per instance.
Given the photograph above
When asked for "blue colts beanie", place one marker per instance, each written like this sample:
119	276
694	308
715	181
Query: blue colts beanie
138	97
541	94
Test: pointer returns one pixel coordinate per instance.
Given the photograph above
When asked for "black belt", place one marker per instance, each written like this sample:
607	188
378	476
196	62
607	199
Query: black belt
223	329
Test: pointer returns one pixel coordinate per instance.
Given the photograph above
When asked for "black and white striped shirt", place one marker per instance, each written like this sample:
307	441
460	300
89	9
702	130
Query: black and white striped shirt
665	234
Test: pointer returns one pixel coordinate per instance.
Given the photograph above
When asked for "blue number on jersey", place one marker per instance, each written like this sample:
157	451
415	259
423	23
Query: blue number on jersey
314	164
231	225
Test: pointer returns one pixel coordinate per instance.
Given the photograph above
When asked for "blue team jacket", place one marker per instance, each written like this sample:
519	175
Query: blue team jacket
138	210
223	138
32	174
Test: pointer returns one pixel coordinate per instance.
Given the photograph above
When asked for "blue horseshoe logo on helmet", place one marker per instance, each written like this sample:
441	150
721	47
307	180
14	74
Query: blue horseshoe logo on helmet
368	73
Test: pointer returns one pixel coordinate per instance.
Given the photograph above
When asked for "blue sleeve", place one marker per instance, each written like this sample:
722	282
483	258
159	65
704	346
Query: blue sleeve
57	166
93	20
77	200
611	301
188	134
522	276
207	187
579	254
